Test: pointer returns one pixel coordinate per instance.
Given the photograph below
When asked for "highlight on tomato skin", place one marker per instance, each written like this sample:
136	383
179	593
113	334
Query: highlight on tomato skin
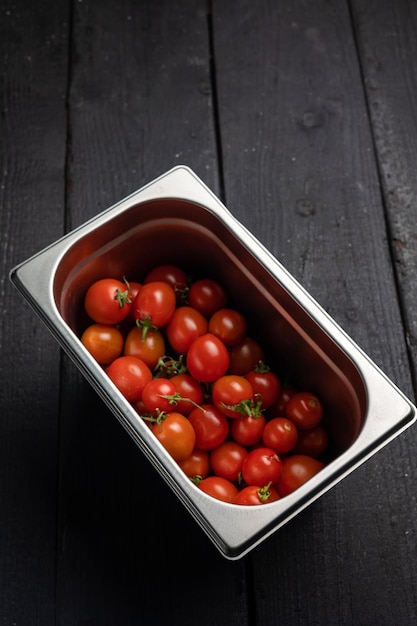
180	354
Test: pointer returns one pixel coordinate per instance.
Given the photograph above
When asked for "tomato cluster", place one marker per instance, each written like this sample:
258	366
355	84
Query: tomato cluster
182	356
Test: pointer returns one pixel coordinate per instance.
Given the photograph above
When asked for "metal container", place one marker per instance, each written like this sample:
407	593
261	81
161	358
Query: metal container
178	217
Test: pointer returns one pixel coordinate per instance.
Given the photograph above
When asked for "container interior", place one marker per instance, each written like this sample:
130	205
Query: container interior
189	235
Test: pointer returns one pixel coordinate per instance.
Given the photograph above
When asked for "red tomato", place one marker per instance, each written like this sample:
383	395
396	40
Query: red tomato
247	430
207	296
154	305
280	434
149	348
107	301
153	395
266	384
189	389
297	470
130	375
185	325
207	358
228	325
245	356
197	466
233	395
210	425
253	495
104	343
171	274
227	459
261	466
176	434
219	488
305	410
312	442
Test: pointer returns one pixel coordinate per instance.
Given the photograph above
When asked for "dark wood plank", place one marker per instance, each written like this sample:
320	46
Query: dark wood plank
300	172
387	43
33	61
140	103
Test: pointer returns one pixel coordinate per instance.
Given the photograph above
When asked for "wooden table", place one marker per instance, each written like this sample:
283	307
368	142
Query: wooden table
302	117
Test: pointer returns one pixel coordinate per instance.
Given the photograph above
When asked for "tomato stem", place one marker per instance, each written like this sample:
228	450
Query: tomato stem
122	297
262	368
167	367
145	325
155	419
247	408
176	397
264	492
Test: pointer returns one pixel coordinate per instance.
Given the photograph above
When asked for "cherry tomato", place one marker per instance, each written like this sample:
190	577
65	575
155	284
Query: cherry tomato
261	466
107	301
210	425
197	465
245	356
266	384
185	325
228	325
312	442
104	343
171	274
297	470
155	304
219	488
280	434
207	358
253	495
232	395
130	375
207	296
227	459
247	430
305	410
149	348
190	389
157	395
176	434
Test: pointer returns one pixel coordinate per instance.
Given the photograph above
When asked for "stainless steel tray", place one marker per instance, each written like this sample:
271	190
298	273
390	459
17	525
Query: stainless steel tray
177	216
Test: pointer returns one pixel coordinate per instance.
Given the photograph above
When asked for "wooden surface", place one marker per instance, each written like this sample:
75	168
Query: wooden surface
301	116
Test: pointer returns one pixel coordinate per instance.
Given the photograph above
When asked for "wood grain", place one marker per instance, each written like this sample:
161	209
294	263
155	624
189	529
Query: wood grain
301	116
387	42
33	61
300	171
